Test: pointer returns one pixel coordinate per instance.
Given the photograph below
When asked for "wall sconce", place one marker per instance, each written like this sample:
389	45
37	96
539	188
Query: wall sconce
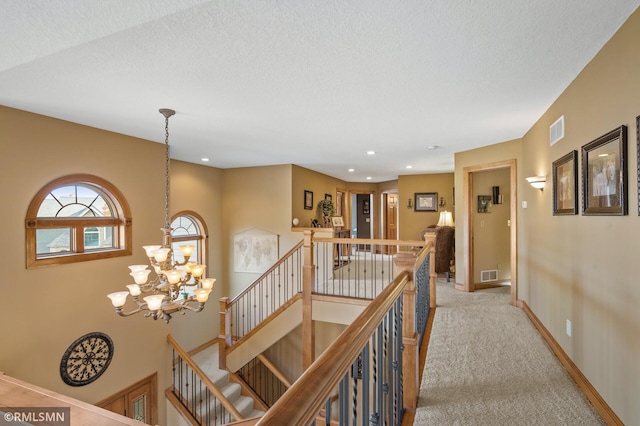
537	182
409	203
497	196
442	202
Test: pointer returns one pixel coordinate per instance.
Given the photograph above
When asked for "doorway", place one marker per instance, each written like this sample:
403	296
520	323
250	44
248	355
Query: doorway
390	220
469	212
361	223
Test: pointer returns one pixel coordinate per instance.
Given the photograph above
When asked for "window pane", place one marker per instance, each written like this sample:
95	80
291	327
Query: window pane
139	408
74	201
98	237
56	240
184	225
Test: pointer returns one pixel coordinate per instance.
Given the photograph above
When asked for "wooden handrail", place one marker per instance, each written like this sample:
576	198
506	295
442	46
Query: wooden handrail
275	265
302	402
205	379
403	243
276	372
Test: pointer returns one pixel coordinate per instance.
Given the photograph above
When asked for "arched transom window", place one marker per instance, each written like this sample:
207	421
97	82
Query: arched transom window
188	227
77	218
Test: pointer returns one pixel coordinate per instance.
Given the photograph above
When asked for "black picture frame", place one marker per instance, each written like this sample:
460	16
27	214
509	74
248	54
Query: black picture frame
565	184
484	201
604	175
425	202
308	200
365	207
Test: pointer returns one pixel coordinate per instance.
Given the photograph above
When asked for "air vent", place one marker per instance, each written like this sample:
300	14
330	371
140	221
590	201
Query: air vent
556	131
489	275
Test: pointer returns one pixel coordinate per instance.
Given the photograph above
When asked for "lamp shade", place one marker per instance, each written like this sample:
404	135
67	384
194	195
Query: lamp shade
446	219
154	302
208	283
118	298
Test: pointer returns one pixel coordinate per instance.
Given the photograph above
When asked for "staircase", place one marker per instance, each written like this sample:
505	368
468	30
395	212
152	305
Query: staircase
204	394
207	360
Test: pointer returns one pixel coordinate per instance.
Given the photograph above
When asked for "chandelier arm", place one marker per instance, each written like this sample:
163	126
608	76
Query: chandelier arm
122	313
187	305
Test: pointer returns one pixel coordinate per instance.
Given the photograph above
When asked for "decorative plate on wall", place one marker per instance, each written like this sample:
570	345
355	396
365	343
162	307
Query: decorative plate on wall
86	359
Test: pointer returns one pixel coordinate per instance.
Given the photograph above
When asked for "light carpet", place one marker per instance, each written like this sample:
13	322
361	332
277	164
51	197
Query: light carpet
487	365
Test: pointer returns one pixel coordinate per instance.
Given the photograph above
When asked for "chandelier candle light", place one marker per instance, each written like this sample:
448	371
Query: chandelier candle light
166	293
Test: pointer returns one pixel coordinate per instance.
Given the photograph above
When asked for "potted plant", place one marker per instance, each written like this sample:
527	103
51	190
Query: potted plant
327	209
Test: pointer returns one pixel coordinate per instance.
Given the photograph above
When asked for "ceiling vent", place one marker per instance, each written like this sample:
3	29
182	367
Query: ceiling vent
556	131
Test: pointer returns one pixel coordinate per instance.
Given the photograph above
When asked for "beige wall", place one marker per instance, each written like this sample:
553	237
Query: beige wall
44	310
255	198
304	179
199	189
583	268
411	222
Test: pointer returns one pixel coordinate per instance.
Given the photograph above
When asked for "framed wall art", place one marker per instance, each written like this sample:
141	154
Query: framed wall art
426	202
565	184
308	200
604	175
484	201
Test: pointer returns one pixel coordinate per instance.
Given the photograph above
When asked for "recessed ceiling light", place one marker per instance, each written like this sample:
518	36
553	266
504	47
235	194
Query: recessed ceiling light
432	147
409	166
204	159
371	153
352	170
368	177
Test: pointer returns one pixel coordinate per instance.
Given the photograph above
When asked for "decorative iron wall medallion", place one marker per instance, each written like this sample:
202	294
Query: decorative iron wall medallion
86	359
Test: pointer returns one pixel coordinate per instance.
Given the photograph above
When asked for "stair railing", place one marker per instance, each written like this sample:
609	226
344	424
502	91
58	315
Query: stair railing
265	379
194	394
373	364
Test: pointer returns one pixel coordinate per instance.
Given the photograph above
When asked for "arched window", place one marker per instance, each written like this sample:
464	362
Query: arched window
77	218
188	227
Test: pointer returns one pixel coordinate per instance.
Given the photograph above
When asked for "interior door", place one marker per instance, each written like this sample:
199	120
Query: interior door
391	220
137	401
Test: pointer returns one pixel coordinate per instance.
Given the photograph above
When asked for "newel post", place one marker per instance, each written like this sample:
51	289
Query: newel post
225	332
308	278
431	237
410	338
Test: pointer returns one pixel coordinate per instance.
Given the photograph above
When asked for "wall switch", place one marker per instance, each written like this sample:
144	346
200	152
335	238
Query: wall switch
508	222
482	223
569	328
524	204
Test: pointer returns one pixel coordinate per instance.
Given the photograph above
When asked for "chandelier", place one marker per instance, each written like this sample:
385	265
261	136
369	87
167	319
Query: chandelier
166	293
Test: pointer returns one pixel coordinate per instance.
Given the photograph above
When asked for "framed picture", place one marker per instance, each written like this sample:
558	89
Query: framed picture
565	184
308	200
484	201
426	202
604	175
365	207
337	221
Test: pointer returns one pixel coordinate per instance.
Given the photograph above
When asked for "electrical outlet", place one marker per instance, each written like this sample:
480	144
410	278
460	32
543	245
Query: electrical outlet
569	328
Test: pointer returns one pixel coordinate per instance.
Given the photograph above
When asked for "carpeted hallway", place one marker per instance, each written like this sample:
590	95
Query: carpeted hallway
487	365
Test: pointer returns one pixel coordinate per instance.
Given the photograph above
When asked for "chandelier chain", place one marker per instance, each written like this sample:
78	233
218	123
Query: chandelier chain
166	172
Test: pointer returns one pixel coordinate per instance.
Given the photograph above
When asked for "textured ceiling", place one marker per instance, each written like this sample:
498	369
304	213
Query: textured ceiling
310	83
